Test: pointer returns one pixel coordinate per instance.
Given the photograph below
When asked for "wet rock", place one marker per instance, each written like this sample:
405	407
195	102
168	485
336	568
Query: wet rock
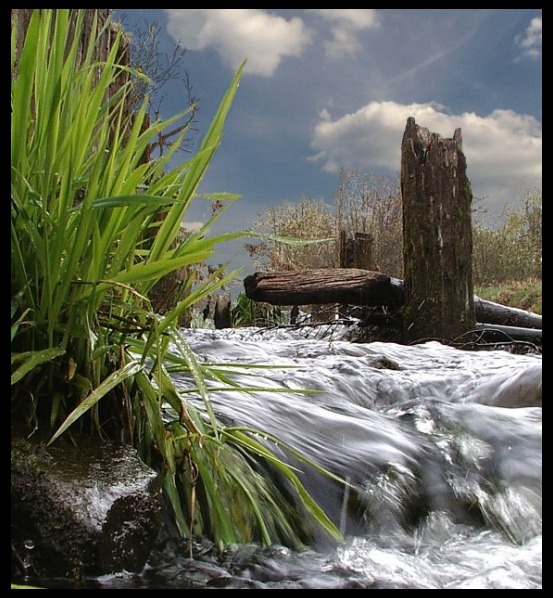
85	510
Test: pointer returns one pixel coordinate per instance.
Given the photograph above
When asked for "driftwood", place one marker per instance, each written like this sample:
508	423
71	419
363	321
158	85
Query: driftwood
495	313
372	289
350	286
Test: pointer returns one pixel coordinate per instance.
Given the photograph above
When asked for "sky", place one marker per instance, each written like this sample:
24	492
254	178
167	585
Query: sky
326	89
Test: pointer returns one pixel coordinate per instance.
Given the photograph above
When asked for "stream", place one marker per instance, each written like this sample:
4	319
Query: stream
442	446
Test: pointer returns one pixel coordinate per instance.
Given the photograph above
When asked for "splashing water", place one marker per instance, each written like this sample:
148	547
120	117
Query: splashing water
442	448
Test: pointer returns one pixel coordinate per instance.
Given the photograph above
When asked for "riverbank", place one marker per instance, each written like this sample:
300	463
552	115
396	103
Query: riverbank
525	294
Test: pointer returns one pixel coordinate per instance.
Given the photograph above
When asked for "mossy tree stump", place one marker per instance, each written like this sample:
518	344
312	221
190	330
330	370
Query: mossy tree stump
437	236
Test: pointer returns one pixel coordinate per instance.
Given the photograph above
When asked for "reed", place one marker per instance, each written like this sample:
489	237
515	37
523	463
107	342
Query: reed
93	228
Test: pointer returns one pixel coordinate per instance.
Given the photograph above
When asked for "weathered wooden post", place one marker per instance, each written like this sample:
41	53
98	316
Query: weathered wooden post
222	316
437	236
357	251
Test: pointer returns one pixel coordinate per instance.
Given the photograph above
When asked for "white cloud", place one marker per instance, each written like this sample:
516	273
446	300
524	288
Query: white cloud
530	42
191	227
503	150
264	39
348	22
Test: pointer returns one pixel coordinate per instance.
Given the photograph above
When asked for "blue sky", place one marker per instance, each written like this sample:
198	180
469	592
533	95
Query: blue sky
330	88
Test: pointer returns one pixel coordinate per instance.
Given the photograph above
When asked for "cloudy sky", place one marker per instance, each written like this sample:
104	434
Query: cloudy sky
330	88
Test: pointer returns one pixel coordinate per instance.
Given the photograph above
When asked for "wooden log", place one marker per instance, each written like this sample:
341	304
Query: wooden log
362	288
495	313
351	286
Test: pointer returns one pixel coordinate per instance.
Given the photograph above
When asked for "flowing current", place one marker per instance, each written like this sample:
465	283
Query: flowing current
442	448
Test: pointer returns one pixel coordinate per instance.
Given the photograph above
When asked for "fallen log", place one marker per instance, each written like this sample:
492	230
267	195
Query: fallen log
353	286
495	313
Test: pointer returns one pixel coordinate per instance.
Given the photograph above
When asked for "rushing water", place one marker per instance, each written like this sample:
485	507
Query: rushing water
442	445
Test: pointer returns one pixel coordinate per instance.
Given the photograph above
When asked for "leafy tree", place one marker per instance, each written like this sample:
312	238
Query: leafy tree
372	204
513	251
308	219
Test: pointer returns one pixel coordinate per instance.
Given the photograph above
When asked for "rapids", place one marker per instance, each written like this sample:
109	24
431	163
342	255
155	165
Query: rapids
442	448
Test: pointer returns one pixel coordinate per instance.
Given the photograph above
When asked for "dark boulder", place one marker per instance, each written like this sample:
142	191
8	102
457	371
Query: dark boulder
80	510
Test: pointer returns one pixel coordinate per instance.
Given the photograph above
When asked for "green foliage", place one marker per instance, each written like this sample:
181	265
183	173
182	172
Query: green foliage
88	243
512	252
525	294
15	586
94	227
247	312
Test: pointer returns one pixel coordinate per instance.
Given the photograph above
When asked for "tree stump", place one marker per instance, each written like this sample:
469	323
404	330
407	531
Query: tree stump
357	251
437	236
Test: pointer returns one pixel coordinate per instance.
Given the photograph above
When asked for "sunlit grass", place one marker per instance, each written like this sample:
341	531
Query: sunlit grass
521	294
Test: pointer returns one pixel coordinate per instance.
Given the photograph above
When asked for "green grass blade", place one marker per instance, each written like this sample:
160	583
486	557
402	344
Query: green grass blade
31	360
108	384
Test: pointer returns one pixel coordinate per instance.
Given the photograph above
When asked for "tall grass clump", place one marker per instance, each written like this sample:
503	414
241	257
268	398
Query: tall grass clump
93	228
